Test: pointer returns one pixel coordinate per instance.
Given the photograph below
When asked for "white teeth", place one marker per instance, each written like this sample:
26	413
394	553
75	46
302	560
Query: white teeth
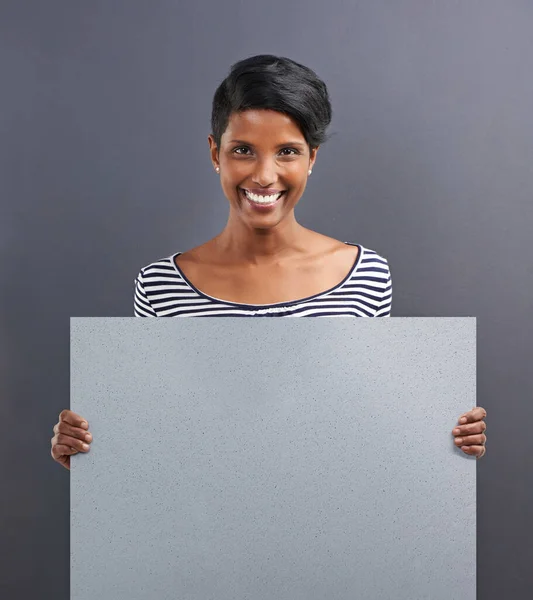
262	199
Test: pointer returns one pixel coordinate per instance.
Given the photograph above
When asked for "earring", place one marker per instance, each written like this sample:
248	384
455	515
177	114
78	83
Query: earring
217	169
309	172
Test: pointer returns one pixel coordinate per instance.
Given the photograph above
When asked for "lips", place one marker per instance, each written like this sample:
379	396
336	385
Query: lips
266	206
263	191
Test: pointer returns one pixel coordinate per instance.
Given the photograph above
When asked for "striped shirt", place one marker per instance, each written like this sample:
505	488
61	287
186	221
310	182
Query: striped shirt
162	290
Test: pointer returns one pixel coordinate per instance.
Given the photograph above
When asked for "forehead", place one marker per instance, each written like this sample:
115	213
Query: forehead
262	126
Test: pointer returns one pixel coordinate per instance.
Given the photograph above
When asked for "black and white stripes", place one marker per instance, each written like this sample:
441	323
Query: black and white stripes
161	290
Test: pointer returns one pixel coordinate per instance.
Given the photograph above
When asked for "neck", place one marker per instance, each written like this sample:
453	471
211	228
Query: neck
241	244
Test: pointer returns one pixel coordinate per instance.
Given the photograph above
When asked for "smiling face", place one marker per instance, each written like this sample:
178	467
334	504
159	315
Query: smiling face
262	152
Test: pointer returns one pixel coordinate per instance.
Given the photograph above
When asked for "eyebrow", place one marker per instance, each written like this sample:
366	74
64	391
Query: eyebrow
278	146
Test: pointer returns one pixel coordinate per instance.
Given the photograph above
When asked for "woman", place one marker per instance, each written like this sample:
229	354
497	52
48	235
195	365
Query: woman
269	119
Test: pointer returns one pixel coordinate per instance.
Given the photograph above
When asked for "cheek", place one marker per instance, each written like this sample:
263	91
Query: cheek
236	171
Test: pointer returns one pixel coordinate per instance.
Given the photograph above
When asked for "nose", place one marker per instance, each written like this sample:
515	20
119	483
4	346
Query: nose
264	173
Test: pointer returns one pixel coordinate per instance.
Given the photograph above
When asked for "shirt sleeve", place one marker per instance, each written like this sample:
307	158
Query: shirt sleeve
141	304
385	304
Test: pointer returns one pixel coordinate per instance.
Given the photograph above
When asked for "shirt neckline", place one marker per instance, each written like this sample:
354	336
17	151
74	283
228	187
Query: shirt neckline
275	304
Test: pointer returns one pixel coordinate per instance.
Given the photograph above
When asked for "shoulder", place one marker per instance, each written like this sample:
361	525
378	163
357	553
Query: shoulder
369	256
161	266
368	259
362	253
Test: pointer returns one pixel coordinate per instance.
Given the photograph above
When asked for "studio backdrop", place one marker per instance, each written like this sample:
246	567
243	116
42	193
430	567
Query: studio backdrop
104	168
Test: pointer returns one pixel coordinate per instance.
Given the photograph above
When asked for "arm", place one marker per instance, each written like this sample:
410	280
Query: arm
141	304
385	305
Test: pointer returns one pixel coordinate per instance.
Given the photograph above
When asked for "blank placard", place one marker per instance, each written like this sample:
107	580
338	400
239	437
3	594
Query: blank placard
273	459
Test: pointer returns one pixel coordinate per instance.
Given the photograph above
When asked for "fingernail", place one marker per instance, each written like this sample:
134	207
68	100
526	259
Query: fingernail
463	420
459	440
88	437
456	431
86	446
84	424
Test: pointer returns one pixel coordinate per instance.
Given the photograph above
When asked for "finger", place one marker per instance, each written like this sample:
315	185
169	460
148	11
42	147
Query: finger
470	440
471	429
476	451
75	432
62	460
476	414
65	440
73	418
59	450
483	453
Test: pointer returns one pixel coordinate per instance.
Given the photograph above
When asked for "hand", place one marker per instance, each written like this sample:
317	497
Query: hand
71	436
469	435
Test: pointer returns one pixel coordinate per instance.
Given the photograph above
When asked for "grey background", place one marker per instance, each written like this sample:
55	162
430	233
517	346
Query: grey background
104	167
238	460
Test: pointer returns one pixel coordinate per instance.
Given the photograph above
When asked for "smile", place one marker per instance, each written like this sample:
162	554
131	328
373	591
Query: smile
261	201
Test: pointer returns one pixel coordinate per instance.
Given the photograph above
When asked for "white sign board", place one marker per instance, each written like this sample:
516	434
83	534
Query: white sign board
273	459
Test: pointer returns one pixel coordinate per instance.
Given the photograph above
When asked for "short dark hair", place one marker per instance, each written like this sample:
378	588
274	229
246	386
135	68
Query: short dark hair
276	83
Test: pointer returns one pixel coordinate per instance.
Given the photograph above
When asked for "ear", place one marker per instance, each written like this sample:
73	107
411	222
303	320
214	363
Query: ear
312	156
213	150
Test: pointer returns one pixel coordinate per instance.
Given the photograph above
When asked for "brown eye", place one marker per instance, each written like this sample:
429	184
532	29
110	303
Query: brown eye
292	150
